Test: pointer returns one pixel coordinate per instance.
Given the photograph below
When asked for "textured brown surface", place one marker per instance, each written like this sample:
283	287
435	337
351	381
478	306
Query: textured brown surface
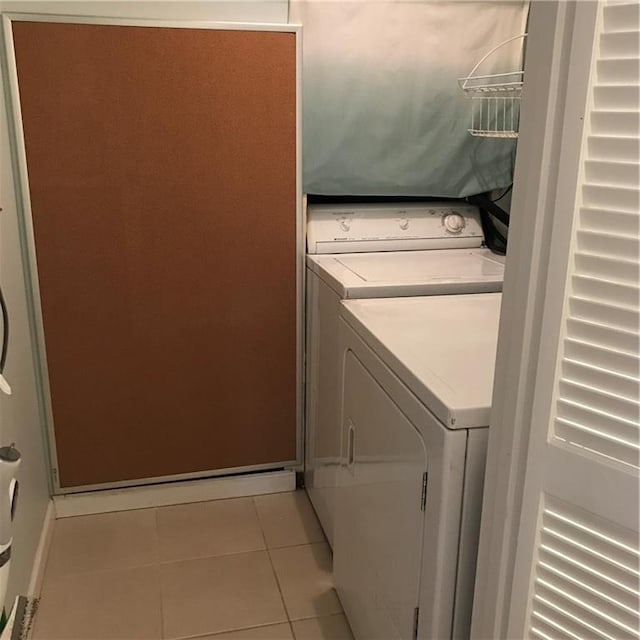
162	177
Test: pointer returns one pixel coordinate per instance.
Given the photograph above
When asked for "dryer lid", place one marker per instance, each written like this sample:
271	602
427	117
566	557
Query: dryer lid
442	347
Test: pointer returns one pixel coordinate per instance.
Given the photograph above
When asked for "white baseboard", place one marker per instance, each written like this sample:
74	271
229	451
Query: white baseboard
160	495
42	552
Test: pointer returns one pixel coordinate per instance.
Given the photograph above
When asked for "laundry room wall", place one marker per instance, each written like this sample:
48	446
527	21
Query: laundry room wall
20	418
223	10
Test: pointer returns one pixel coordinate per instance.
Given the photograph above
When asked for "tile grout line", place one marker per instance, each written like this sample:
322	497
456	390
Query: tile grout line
211	556
259	626
273	568
317	617
224	633
275	574
305	544
159	565
194	558
86	572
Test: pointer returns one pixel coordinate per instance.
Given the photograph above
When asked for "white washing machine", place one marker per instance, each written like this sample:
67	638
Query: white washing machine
375	251
418	378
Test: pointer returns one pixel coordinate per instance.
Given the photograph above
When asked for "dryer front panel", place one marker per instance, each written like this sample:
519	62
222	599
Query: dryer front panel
379	523
389	438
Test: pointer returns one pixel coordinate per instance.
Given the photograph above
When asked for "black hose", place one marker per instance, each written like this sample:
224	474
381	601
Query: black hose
5	332
493	237
488	205
504	193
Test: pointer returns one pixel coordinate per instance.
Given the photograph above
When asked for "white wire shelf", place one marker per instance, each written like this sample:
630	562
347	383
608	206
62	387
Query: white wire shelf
487	133
495	99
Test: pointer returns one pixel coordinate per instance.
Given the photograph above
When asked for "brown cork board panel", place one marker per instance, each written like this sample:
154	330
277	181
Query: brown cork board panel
162	176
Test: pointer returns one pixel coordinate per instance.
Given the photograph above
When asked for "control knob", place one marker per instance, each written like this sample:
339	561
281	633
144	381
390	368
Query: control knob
454	223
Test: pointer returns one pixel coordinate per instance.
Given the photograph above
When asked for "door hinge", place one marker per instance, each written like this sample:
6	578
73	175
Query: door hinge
423	498
54	473
416	617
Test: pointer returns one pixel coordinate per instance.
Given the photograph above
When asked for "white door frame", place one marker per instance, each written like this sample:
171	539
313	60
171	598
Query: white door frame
536	183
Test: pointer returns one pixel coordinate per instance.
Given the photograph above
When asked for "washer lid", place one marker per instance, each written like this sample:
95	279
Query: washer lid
410	273
442	347
421	266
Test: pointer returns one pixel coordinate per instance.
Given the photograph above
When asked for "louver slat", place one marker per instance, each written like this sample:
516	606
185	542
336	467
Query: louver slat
611	577
576	416
616	96
614	244
546	620
599	622
621	44
625	317
607	267
592	626
584	587
621	17
611	173
600	443
608	381
622	123
597	400
622	70
613	592
618	199
607	336
599	356
625	223
603	443
605	290
586	577
613	148
537	632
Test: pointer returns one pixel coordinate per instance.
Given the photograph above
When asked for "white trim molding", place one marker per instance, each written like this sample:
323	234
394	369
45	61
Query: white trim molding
42	552
547	69
161	495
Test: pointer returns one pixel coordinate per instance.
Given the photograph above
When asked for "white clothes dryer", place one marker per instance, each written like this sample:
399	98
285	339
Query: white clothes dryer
375	251
418	379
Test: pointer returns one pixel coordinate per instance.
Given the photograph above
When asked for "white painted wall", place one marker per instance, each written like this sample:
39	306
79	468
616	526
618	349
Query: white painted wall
20	419
218	10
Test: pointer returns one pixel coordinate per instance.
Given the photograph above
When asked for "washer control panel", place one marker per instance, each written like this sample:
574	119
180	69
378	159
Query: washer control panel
349	228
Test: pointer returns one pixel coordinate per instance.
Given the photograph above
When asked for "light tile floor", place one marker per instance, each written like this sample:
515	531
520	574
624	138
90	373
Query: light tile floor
241	569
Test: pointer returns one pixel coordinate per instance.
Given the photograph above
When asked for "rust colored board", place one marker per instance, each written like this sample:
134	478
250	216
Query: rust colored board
162	176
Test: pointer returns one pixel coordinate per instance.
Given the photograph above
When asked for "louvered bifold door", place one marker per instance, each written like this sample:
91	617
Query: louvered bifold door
577	561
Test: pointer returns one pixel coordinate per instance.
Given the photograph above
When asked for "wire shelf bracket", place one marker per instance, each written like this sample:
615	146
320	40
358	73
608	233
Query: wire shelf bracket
495	99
